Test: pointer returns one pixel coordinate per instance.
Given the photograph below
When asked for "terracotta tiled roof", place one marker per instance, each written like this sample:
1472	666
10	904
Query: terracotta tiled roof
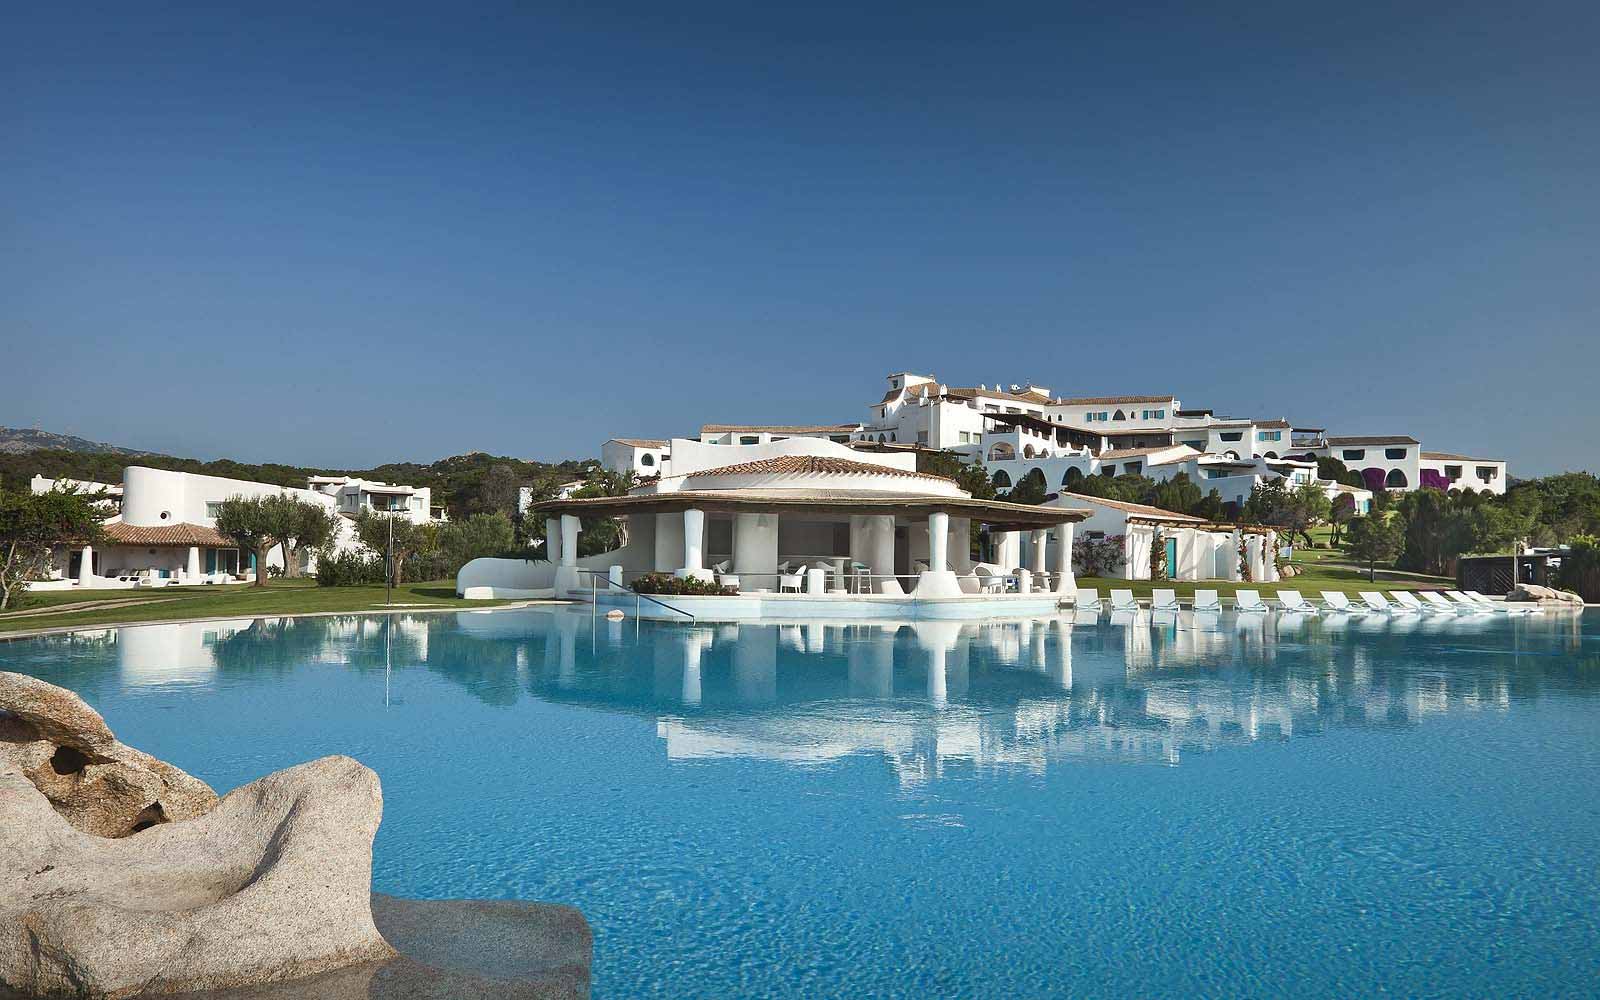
166	534
641	442
778	428
796	465
1338	442
1095	400
1120	453
1143	510
968	392
1444	456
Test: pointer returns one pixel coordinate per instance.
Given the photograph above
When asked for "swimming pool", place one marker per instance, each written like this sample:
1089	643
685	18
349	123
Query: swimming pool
1170	807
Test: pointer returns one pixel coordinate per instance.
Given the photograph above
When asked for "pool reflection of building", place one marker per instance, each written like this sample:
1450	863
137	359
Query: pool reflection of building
998	695
925	696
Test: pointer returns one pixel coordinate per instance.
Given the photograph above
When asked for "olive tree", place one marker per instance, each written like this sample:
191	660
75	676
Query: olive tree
310	526
31	522
257	524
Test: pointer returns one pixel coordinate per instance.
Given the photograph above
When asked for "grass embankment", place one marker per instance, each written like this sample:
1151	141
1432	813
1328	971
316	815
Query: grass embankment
67	609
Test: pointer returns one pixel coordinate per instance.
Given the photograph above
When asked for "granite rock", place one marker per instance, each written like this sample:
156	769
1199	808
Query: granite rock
1532	592
101	786
272	884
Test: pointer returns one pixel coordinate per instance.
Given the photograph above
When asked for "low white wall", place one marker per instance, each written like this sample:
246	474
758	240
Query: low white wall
497	578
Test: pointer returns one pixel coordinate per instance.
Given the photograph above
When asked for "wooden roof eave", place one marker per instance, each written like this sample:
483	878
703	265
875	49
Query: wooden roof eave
995	513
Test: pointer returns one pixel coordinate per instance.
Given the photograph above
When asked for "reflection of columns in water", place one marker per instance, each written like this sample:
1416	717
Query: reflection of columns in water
694	643
560	649
816	637
936	639
755	665
1059	663
870	661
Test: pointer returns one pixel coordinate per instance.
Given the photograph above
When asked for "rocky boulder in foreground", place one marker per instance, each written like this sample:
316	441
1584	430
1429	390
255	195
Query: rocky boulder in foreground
272	884
99	785
1532	592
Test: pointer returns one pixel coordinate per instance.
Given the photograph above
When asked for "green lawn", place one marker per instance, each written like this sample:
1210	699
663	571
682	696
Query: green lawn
279	597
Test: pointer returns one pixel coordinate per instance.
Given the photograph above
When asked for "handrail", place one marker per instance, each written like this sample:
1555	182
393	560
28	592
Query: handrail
594	591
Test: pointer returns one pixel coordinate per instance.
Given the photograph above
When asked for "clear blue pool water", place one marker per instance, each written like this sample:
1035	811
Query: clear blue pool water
1162	808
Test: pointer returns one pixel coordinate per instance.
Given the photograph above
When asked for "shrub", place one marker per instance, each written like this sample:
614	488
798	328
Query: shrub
1097	556
678	586
1580	567
349	569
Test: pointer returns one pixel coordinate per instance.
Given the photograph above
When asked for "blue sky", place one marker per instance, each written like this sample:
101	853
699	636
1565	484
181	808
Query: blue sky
350	236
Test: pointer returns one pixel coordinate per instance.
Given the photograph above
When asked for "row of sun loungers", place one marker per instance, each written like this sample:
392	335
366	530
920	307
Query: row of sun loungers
1450	602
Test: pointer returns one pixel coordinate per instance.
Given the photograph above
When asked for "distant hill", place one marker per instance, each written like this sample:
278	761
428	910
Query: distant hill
16	440
465	484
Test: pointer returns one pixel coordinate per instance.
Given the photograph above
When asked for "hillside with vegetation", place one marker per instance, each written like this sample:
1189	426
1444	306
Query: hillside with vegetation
464	485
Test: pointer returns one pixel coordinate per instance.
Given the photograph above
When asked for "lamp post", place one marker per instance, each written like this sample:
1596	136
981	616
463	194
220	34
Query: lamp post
388	569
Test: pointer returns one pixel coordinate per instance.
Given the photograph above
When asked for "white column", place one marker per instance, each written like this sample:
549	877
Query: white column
86	564
1130	546
570	526
1233	556
755	551
192	570
1269	569
880	548
961	545
938	541
552	538
1008	553
1066	583
694	528
1040	537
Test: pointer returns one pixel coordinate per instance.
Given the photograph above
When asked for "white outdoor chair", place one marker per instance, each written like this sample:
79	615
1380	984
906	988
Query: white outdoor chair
1163	600
989	581
1248	600
1377	602
892	587
788	580
1088	599
1339	601
1290	600
969	584
1207	600
1122	600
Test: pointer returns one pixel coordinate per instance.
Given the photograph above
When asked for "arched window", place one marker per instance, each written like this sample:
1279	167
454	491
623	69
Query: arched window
1072	478
882	438
1395	479
1231	454
1001	479
1118	416
647	459
1002	452
1027	451
1270	454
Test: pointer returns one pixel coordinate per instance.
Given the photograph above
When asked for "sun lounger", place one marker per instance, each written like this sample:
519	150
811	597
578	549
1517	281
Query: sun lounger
1207	600
1467	605
1435	601
1377	602
1248	600
1290	600
1122	600
1088	599
1163	600
1339	601
1494	605
1406	599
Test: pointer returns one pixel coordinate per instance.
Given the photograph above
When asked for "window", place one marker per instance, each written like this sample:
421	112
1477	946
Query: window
1196	445
1394	454
749	439
1452	472
1216	474
1110	472
922	437
647	459
1395	480
840	438
1153	414
1001	479
1353	454
991	407
1231	435
1487	473
1269	435
1099	416
1133	468
1118	416
213	508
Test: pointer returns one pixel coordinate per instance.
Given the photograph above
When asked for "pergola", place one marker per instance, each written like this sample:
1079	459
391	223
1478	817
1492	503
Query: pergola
872	517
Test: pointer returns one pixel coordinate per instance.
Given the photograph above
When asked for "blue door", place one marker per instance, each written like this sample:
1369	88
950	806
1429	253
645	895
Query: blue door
1172	558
